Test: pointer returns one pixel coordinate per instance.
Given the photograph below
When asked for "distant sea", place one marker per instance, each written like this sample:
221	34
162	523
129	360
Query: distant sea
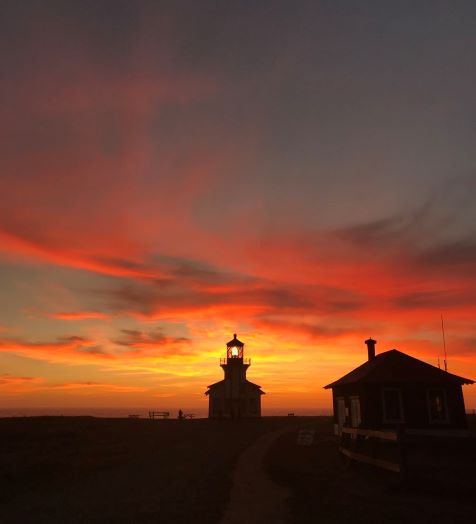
200	412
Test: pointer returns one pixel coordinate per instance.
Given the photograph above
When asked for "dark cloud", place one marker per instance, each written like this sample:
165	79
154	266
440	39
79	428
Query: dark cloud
94	350
375	234
435	299
180	295
439	234
139	339
74	339
120	263
457	254
317	330
399	231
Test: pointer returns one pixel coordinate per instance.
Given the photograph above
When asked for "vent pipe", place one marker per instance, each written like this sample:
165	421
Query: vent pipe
371	347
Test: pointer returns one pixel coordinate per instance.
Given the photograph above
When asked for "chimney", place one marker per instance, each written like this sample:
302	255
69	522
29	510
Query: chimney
371	347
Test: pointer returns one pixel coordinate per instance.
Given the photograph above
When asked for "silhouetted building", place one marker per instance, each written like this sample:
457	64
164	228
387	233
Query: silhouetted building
394	390
234	396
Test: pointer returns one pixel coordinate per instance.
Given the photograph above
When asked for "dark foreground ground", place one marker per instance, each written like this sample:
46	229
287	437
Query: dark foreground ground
82	469
439	485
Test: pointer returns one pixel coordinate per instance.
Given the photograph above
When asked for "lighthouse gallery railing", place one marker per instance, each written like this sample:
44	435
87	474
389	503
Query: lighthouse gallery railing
246	361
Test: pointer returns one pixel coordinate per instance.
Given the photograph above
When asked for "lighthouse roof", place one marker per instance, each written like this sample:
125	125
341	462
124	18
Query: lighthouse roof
221	384
235	342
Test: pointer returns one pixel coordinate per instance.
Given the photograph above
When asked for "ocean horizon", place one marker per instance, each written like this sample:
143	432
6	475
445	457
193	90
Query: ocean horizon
143	412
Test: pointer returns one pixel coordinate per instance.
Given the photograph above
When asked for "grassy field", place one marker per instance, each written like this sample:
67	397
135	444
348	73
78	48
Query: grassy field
82	469
327	488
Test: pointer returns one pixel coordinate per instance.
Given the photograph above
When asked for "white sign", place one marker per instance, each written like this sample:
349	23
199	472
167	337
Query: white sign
305	437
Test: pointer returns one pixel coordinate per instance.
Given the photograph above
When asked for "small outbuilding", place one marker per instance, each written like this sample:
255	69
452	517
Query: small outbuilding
395	390
234	396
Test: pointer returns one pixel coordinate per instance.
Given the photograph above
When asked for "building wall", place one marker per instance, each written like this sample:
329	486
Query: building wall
414	401
220	405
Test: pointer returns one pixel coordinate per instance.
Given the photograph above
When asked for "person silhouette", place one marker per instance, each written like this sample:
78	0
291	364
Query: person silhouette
180	414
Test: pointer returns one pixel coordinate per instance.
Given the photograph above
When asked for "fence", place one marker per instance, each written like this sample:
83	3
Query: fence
158	414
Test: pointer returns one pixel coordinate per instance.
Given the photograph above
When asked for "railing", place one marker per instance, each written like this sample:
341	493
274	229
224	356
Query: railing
367	445
224	361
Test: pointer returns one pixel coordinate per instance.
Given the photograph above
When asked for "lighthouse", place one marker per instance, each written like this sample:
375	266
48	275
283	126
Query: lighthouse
234	396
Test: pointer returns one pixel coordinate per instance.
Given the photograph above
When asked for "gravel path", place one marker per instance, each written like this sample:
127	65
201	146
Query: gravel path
254	497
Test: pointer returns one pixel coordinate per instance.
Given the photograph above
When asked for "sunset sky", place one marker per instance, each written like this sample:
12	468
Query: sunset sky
301	173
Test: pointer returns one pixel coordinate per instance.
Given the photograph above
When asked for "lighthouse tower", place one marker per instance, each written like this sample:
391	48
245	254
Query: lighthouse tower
234	396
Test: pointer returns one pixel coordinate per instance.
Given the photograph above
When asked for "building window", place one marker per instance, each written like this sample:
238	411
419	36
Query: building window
355	418
437	406
341	411
392	405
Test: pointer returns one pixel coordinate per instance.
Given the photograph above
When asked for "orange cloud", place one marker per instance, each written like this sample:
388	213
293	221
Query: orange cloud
80	315
19	385
132	350
73	349
14	385
87	387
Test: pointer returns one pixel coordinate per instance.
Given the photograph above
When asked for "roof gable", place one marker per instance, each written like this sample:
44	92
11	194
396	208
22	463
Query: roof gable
395	366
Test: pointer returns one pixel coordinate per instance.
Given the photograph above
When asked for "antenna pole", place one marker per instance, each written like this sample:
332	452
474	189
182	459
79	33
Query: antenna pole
444	343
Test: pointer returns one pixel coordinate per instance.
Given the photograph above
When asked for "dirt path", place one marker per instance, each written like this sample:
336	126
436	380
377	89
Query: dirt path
254	497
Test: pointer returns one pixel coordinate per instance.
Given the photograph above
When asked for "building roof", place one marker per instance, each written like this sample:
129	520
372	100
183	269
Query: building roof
395	366
235	342
222	383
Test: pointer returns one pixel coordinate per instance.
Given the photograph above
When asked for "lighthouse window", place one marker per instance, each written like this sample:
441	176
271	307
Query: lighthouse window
234	351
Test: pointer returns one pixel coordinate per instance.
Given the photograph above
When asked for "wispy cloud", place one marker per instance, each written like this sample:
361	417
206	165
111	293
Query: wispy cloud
80	315
11	384
154	343
69	349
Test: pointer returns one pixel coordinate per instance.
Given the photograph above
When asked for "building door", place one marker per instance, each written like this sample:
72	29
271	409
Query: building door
355	419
